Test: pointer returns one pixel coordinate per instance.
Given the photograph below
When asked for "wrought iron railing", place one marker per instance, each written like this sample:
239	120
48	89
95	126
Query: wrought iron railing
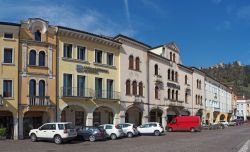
106	94
39	101
76	92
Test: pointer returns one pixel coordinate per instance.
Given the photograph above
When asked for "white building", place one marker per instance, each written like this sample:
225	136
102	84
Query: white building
242	108
218	98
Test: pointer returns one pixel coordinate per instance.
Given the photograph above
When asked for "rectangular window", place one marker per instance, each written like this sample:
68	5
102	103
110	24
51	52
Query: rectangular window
7	88
98	56
67	50
110	59
110	88
8	35
98	87
67	84
80	85
8	55
81	53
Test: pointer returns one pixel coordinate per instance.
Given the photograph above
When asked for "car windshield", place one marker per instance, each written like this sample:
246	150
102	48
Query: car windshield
69	126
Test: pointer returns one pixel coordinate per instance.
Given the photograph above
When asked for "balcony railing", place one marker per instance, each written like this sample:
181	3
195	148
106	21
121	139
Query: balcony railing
106	94
76	92
39	101
89	93
178	103
216	109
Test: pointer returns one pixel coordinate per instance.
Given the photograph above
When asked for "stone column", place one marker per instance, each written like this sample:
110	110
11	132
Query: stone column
89	121
122	116
164	118
15	127
116	119
20	121
145	117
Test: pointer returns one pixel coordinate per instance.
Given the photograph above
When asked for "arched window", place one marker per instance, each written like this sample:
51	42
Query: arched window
196	98
186	97
169	75
32	88
200	84
186	79
170	56
156	92
32	57
176	95
197	81
172	75
128	87
176	76
141	89
169	93
41	88
131	62
134	88
172	94
201	100
137	64
41	58
174	57
156	69
38	36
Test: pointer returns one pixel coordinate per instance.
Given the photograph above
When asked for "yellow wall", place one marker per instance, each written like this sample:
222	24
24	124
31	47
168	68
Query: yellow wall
9	71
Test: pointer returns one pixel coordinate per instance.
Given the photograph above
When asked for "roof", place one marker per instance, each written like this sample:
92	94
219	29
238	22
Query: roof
88	33
131	39
157	55
9	23
188	68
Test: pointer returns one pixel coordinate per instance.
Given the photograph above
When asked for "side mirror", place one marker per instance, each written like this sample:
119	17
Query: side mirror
39	128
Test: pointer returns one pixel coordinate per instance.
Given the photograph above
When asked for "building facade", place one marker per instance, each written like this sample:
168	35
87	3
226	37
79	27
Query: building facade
218	101
9	41
37	74
88	84
133	80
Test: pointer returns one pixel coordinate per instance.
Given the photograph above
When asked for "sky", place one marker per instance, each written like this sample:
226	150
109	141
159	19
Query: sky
207	32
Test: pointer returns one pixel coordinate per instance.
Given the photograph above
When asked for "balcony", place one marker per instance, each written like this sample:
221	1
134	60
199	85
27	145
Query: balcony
39	101
176	103
77	92
216	109
106	94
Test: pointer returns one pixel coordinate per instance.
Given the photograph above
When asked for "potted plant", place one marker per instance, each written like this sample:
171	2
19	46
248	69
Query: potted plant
2	133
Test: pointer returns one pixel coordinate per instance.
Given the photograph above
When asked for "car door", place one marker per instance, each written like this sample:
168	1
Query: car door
152	128
108	129
42	132
144	128
51	131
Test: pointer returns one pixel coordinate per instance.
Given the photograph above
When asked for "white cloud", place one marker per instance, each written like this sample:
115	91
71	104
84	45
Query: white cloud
217	1
66	15
224	26
154	6
244	13
127	12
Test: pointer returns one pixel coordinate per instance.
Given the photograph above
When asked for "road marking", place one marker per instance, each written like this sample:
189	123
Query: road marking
244	148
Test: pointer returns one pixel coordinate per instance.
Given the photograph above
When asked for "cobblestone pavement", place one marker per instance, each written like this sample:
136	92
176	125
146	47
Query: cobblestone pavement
232	139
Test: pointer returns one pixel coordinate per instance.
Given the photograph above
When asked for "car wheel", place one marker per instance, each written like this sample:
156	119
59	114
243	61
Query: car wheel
170	129
130	135
58	139
192	130
92	138
157	133
113	136
33	138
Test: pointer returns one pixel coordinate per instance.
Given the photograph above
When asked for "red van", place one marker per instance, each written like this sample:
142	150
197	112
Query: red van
185	123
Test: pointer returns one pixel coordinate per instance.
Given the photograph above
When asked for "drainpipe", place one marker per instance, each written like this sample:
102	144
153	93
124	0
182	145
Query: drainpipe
57	72
18	83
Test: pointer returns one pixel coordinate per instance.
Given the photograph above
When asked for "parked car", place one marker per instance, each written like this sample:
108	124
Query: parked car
129	129
223	122
113	131
154	128
58	132
231	123
185	123
91	133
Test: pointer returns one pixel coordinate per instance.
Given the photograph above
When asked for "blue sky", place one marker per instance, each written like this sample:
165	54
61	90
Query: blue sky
206	31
